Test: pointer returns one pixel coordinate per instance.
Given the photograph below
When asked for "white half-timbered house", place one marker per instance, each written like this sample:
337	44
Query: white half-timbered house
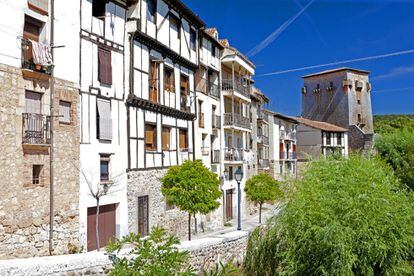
103	119
161	107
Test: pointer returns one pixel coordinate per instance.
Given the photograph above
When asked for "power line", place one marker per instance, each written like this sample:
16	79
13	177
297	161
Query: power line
399	53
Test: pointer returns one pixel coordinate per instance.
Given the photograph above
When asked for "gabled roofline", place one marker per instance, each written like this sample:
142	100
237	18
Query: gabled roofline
336	70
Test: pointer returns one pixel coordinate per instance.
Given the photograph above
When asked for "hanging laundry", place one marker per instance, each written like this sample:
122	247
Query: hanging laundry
41	53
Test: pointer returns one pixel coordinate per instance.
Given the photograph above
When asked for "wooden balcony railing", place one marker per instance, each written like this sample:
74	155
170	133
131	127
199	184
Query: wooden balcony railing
236	120
237	85
36	129
216	121
215	156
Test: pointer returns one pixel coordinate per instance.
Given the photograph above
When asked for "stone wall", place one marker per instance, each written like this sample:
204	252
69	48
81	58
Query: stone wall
204	254
24	206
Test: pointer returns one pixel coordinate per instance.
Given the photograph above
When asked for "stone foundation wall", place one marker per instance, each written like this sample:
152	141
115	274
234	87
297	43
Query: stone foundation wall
204	255
24	206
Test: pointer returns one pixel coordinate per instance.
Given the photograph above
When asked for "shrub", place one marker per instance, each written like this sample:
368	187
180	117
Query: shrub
346	217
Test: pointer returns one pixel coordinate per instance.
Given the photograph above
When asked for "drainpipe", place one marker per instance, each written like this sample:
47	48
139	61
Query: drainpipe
52	113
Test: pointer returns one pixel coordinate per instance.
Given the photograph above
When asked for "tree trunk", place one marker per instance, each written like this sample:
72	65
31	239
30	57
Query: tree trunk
189	226
260	212
97	225
195	224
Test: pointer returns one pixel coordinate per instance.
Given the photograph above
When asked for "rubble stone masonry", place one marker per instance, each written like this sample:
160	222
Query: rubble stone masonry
24	206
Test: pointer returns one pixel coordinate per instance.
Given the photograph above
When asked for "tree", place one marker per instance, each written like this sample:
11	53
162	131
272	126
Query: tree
262	188
97	190
347	217
192	188
397	149
156	254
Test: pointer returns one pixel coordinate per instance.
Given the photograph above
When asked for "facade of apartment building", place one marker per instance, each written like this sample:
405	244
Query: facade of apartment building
161	108
103	117
237	72
40	134
320	139
260	133
341	97
283	141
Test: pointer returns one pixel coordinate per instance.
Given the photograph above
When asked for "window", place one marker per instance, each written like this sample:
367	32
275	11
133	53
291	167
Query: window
153	81
359	118
32	28
64	112
213	51
151	10
150	137
339	139
230	173
166	134
183	139
33	102
103	119
175	25
200	114
169	79
98	9
193	39
184	93
104	167
36	174
328	138
104	66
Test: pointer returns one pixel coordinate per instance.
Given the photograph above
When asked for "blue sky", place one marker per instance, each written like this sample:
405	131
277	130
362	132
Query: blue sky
327	31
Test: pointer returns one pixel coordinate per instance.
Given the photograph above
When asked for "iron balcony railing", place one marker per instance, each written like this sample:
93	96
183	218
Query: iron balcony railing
216	121
213	90
236	120
288	155
215	156
36	129
263	163
237	85
262	139
233	154
287	135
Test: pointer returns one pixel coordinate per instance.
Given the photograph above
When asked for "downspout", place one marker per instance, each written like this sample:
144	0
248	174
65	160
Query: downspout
52	113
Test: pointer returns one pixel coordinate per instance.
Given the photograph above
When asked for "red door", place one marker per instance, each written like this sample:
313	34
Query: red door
107	224
229	205
143	221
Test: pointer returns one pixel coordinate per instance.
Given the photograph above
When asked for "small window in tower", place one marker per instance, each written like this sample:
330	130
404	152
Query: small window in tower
359	118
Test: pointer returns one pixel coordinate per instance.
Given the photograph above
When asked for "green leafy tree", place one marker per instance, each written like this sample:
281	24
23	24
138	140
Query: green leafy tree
262	188
347	217
156	254
193	188
392	123
397	149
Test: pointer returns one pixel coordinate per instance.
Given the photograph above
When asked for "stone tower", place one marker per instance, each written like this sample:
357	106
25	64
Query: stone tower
341	97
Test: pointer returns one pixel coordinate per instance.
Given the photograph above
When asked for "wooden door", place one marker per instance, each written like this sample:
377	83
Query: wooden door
229	205
107	225
143	221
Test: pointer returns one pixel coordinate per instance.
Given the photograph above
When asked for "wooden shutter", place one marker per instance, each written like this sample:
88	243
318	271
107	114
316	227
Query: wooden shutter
31	28
150	137
153	81
166	138
104	66
64	111
183	139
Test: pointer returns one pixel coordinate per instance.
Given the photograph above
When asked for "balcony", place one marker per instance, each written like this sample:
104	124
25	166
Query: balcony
283	155
262	117
28	63
262	139
233	154
236	120
287	135
263	164
215	156
213	90
36	129
216	121
237	85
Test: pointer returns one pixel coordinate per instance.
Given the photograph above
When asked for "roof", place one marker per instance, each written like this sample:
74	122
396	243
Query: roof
211	33
285	117
330	71
257	93
320	125
187	12
226	44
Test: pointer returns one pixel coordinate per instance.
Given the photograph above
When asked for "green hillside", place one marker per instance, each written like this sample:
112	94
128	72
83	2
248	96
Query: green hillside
391	123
